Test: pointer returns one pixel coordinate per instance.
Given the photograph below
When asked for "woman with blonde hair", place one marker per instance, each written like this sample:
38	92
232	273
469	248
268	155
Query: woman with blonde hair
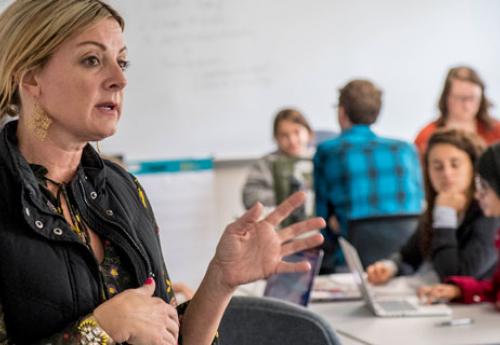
80	259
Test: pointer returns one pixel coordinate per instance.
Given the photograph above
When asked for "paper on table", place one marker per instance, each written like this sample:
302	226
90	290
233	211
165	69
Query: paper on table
335	287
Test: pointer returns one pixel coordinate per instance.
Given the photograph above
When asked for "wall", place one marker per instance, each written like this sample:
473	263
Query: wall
207	76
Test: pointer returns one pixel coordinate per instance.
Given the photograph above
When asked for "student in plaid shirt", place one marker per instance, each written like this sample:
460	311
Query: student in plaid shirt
361	175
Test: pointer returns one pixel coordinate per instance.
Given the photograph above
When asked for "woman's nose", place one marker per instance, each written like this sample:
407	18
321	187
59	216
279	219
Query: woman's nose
117	79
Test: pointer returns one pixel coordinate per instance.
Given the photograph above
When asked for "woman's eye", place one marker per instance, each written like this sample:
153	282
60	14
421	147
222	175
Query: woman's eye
124	64
91	61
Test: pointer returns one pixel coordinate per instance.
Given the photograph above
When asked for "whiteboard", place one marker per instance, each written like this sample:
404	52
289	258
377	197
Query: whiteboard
207	76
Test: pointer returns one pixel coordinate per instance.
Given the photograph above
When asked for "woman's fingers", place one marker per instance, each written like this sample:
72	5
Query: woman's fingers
172	327
167	338
301	244
253	213
165	321
289	267
296	229
285	208
250	216
137	317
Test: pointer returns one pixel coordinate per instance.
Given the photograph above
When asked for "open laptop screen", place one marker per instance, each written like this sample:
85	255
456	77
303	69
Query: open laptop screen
357	270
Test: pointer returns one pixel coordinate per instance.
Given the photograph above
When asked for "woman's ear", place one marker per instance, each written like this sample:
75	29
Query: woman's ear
29	84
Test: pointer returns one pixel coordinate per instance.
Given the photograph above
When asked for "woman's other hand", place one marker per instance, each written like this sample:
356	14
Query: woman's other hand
380	273
252	249
439	293
136	317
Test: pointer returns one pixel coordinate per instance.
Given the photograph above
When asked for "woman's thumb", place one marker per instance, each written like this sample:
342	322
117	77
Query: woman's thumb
148	288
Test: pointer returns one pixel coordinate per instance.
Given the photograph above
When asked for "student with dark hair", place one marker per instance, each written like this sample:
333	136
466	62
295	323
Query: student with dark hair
293	136
360	174
467	288
463	104
453	237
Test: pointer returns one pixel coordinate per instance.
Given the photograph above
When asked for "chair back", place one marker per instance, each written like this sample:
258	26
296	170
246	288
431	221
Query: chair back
267	321
377	238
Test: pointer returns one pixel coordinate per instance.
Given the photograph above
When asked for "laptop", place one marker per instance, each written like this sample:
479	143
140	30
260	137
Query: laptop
295	287
387	306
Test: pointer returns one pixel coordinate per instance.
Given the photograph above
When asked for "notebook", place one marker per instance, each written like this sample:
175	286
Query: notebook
295	287
387	307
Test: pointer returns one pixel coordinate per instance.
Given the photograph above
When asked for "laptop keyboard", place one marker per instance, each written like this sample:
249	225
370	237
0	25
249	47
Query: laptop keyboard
401	305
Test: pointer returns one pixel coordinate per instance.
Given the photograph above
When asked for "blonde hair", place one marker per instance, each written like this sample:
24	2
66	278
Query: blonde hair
30	32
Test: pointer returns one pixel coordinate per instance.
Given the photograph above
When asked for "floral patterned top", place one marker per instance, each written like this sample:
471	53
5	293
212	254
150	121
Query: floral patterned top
116	276
117	279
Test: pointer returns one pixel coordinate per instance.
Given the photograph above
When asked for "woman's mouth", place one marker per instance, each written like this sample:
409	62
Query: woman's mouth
108	107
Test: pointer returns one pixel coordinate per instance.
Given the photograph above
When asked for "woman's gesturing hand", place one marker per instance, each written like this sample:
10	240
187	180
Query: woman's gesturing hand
252	249
136	317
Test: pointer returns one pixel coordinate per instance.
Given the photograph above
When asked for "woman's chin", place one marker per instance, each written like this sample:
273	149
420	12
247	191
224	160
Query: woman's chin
104	133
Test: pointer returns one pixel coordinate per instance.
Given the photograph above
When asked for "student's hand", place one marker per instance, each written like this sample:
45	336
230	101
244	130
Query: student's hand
251	249
379	273
334	225
134	316
455	200
439	293
183	289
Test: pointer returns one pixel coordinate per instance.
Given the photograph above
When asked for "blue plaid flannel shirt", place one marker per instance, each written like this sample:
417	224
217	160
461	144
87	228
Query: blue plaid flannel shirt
359	175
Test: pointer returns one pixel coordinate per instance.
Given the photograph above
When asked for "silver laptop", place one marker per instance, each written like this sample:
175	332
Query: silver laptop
387	306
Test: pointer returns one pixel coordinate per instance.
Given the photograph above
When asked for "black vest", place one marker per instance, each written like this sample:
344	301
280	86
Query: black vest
48	277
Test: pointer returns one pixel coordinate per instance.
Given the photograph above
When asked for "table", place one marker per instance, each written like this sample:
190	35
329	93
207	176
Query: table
353	320
356	325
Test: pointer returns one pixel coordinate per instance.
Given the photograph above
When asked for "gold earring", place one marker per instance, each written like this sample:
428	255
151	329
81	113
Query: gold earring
39	122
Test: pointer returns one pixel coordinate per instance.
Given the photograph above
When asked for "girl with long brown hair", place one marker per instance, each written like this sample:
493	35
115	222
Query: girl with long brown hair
453	237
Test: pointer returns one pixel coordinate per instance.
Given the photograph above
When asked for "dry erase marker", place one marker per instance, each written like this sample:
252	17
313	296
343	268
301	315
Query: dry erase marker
457	322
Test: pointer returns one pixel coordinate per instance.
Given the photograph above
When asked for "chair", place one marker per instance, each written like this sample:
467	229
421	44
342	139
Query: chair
378	238
267	321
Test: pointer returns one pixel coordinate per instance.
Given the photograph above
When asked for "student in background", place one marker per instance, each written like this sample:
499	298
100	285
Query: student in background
358	174
466	288
454	237
463	104
294	136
